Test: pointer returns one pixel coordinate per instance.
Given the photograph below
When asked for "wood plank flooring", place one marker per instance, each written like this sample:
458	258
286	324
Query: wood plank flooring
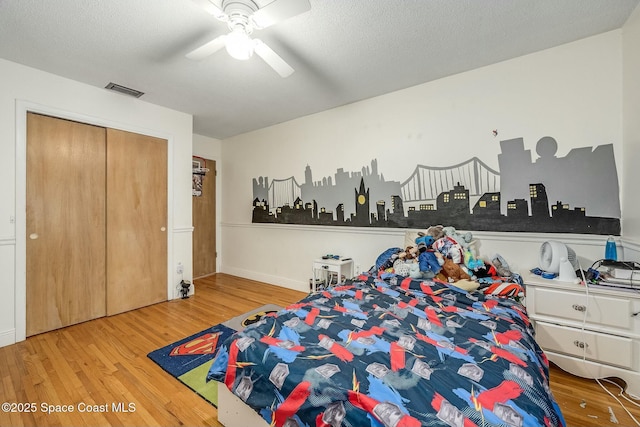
101	363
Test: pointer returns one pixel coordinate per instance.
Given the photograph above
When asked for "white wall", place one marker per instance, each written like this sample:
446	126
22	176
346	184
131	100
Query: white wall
211	148
23	88
572	92
631	132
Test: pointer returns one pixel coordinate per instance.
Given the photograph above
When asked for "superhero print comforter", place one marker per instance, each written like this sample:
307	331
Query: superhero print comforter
392	351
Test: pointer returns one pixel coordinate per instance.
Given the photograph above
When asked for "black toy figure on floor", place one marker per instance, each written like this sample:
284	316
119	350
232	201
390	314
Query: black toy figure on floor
185	284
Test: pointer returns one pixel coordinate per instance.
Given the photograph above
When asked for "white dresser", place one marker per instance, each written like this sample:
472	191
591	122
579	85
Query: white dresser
594	335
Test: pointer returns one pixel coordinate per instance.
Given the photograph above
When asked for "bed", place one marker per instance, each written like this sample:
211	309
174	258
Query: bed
387	350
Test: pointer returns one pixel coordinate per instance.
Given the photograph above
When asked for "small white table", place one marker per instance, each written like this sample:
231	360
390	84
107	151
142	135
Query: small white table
322	268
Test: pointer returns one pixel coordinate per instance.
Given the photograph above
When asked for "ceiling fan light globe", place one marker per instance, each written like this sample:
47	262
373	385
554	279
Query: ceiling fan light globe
239	45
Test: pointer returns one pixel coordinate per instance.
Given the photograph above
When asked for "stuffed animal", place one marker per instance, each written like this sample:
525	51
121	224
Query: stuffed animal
501	266
467	285
451	272
464	239
428	261
401	267
429	264
470	261
435	231
414	271
449	248
410	252
413	251
483	271
424	241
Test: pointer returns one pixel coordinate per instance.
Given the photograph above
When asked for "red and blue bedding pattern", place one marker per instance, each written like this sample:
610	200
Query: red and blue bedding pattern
392	351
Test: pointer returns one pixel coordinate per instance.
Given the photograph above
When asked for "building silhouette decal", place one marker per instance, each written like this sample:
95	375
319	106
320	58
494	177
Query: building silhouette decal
578	193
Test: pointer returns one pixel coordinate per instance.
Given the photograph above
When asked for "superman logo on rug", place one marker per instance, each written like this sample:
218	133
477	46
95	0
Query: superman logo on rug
205	344
190	358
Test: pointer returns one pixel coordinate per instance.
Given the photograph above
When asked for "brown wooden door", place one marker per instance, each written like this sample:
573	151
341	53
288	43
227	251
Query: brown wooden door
136	220
204	224
65	223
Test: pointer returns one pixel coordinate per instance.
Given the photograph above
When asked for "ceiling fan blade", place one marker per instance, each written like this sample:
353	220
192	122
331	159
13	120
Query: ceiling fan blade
212	8
272	58
207	49
278	11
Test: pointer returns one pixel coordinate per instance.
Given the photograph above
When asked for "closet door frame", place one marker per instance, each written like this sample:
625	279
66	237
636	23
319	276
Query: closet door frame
22	108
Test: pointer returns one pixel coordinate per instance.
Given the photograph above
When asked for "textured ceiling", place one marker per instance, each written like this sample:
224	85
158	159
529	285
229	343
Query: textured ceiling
342	50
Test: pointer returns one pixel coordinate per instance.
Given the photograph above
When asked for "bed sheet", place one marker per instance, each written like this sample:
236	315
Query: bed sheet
392	351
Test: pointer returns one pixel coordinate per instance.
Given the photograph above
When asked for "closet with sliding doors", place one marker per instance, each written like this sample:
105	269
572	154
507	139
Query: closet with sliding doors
96	218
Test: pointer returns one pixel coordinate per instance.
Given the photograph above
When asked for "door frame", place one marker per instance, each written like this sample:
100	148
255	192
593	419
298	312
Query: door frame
22	108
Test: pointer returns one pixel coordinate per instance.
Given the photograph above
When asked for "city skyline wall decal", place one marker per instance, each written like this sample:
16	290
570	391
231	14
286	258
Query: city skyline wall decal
577	193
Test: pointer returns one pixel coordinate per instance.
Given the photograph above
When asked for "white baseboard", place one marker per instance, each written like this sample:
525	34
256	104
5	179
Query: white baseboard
267	278
7	337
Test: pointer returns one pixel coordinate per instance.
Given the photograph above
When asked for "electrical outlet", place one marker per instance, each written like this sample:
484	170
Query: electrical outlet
180	268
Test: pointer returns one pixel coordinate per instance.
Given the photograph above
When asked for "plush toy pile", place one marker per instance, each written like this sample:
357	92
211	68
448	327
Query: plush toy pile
444	254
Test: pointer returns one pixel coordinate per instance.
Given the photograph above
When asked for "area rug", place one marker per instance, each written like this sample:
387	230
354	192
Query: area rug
240	322
190	358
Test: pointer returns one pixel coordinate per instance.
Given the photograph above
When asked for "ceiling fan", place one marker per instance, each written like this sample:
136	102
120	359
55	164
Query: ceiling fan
242	17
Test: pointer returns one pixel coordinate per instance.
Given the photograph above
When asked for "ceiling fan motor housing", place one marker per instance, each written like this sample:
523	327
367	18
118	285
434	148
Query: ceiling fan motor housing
241	9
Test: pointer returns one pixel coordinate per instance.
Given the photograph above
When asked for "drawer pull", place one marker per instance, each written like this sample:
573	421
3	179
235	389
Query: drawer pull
579	307
580	344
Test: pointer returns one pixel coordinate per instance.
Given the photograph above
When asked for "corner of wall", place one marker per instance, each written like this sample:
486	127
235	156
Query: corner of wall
630	126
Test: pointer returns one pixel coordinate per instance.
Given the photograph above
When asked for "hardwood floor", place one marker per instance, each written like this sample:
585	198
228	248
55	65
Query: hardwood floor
572	393
104	362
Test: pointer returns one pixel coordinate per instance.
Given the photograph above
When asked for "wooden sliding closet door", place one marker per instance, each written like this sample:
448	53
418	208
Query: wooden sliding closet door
65	220
136	221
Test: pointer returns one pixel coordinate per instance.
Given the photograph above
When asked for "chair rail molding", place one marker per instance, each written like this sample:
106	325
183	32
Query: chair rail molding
7	241
183	229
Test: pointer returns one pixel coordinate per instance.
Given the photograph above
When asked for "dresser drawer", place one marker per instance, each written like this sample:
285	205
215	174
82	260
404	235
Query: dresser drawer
609	349
600	310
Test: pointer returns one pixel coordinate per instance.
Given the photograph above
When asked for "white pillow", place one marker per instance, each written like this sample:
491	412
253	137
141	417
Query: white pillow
410	238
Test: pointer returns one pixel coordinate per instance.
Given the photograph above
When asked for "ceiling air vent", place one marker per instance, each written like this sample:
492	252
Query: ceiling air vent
124	90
